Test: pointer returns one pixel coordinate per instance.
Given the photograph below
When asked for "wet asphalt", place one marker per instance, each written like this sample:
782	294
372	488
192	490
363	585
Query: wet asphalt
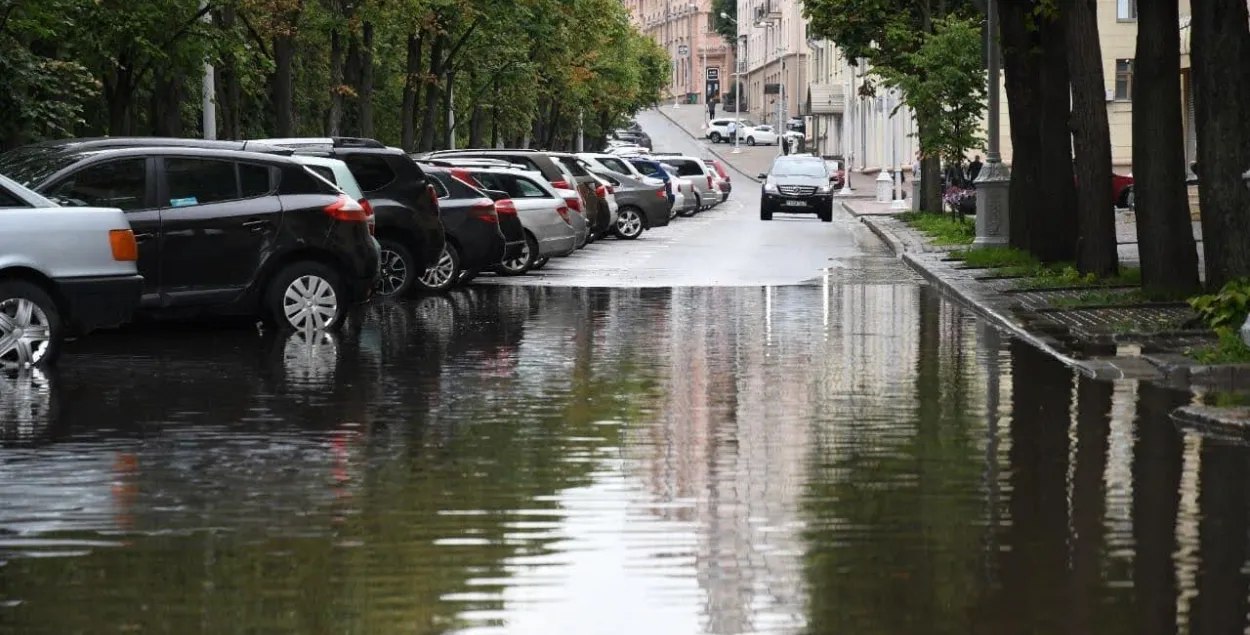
785	434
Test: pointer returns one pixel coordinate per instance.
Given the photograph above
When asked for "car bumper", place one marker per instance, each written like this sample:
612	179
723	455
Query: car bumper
657	213
777	204
557	246
100	302
481	245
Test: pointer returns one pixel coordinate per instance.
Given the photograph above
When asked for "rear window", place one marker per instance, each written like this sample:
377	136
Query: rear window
299	180
372	172
255	180
616	165
32	165
324	172
573	166
685	168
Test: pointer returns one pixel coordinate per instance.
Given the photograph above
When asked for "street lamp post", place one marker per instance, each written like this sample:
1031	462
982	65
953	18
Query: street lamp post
739	65
994	181
848	142
899	203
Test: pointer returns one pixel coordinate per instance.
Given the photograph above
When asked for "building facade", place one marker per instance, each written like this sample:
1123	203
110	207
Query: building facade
772	42
702	60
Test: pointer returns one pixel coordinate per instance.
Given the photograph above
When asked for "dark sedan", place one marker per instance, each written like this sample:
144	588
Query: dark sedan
475	239
797	185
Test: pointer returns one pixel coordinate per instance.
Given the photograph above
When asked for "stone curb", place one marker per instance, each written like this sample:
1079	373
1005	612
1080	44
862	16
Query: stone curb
1228	422
728	162
968	298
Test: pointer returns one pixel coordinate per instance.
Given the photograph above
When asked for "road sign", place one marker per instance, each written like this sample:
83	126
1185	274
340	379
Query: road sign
683	50
713	74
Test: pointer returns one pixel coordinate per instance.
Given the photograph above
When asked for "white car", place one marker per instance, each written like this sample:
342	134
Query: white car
718	129
85	256
762	135
616	164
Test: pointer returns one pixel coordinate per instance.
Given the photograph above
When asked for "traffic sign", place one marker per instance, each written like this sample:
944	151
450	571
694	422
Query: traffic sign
683	50
713	73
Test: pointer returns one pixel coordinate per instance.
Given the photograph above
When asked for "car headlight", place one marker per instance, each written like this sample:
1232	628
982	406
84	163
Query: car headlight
770	187
824	189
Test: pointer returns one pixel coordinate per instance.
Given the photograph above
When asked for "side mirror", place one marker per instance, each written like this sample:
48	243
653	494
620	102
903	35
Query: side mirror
762	176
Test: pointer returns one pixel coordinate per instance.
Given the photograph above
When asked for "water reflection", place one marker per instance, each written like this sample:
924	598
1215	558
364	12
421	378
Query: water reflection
822	459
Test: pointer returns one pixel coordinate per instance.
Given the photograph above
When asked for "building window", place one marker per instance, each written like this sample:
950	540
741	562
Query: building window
711	22
1124	80
1126	9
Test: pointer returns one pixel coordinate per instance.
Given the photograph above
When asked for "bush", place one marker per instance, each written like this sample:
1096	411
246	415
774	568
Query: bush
1226	309
942	228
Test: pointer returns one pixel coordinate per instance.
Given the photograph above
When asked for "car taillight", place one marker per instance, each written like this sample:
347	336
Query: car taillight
601	191
373	222
561	185
574	202
563	211
485	212
505	206
710	184
346	209
125	249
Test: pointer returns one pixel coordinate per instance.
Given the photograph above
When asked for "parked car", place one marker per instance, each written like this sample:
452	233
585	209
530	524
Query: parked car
718	129
604	216
577	200
837	170
64	272
472	217
797	185
619	165
543	211
707	195
633	136
643	205
220	231
763	135
403	206
689	202
722	180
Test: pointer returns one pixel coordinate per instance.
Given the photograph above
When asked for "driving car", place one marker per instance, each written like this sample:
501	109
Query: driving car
64	272
797	185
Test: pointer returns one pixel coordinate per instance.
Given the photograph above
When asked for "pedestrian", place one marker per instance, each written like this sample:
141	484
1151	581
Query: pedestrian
711	108
974	168
733	131
785	144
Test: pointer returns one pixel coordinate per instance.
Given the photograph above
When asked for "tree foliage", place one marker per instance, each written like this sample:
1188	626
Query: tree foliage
727	28
383	68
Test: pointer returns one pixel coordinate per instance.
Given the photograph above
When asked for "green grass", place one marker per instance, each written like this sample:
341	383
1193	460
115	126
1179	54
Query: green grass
1226	399
996	258
1100	298
942	229
1065	275
1229	349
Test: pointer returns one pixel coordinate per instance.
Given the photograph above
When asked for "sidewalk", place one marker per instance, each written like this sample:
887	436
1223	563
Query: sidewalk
1142	340
752	160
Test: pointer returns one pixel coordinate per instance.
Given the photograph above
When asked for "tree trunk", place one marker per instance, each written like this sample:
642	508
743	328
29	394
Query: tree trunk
1053	232
119	97
335	124
1169	256
553	124
1221	59
429	124
1020	81
229	90
476	120
167	96
494	118
1091	140
366	81
412	88
284	85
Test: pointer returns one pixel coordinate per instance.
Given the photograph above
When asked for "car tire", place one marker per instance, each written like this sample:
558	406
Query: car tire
826	216
307	295
522	265
397	266
694	210
629	223
26	306
714	137
765	215
1130	198
750	141
444	273
540	263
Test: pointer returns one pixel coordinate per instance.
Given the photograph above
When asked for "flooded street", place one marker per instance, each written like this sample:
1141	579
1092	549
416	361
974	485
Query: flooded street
838	457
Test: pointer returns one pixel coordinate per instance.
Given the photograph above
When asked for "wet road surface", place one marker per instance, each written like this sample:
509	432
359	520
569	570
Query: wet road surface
847	452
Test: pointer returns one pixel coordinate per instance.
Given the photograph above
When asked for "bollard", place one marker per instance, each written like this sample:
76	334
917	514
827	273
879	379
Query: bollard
885	186
915	192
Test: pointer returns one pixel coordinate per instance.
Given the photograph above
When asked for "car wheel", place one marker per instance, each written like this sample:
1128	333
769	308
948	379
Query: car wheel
444	273
308	296
540	263
694	210
715	137
765	215
30	326
826	216
629	223
396	264
523	263
750	141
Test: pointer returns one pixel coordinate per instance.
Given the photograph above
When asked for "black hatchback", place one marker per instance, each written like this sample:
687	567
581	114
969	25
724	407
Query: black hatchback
220	231
483	230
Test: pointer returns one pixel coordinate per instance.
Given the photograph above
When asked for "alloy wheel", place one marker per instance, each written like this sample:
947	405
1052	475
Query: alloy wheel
25	333
310	303
440	275
393	274
629	223
517	264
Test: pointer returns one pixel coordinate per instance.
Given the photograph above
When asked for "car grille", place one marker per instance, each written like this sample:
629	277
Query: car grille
797	190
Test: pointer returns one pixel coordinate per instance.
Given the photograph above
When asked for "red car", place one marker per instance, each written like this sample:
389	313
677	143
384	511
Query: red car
1122	189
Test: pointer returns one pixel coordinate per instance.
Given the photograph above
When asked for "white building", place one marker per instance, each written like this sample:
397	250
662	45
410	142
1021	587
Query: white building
772	47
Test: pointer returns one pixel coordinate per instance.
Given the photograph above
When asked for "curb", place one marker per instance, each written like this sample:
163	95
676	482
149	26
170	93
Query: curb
888	237
1232	423
718	155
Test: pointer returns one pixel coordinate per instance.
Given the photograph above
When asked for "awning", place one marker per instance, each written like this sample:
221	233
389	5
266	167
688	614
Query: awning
826	99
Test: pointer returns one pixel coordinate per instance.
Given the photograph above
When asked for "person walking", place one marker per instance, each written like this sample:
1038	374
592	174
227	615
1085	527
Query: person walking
974	168
733	131
711	108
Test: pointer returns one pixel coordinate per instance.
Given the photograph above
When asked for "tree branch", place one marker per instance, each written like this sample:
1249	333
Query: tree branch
4	18
251	31
464	37
147	66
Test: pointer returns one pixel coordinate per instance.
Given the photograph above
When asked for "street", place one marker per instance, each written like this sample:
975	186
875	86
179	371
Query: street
725	427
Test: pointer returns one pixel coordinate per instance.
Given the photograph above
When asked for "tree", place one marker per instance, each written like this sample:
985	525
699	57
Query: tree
1035	72
1091	141
1169	257
727	28
887	34
1221	59
947	89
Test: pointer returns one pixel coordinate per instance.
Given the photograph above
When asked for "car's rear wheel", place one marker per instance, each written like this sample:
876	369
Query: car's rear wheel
629	223
444	273
522	264
31	331
308	296
750	141
715	137
397	266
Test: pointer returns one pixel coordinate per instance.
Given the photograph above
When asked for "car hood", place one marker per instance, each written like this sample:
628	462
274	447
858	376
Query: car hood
811	181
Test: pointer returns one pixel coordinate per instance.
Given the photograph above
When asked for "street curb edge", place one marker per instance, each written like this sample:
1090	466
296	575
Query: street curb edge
709	148
891	240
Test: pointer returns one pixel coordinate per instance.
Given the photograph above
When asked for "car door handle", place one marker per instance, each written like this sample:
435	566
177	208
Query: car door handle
143	237
258	225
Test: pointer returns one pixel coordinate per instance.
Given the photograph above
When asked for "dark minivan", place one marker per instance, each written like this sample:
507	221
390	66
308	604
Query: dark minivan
220	232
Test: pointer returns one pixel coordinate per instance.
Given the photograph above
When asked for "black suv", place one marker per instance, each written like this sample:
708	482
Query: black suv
404	204
797	185
220	231
476	236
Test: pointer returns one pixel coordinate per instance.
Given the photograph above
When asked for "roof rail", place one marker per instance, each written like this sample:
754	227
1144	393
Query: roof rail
356	142
477	150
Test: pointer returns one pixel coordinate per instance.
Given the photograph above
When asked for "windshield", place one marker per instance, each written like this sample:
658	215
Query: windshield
32	165
799	168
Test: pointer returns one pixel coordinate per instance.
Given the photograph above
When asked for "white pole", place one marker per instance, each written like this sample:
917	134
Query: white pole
848	142
898	203
581	140
451	116
208	99
741	65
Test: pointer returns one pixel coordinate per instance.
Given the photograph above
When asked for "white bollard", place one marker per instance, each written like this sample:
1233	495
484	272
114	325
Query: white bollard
885	187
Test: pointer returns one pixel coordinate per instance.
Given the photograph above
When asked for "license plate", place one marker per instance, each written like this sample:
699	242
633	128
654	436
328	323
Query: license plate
796	203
